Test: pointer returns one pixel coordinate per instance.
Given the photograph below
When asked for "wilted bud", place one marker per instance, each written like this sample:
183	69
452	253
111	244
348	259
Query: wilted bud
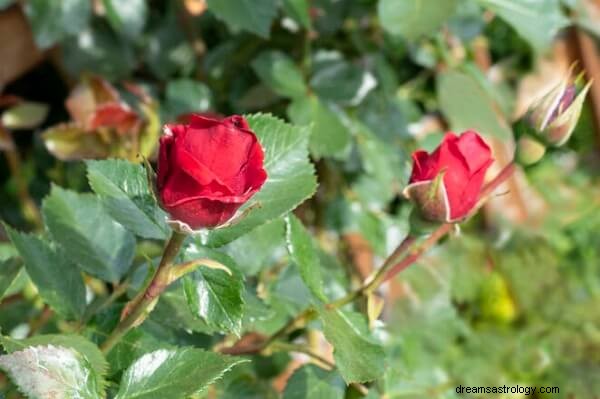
555	116
529	150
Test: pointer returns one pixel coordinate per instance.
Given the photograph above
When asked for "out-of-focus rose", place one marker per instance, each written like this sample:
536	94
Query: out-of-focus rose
103	125
207	169
445	185
556	114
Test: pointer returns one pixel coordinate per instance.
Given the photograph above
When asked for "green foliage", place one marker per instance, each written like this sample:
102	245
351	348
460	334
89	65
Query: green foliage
213	295
311	382
123	188
56	276
88	235
9	270
280	73
251	15
303	252
415	18
176	373
357	355
474	109
339	94
52	21
46	371
75	342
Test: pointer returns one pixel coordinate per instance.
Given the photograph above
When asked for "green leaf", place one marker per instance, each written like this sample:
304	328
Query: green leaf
340	81
298	10
214	295
473	108
58	280
186	95
385	171
312	382
173	374
280	73
123	187
9	270
412	19
253	16
43	372
52	21
25	115
100	50
259	248
358	357
126	17
536	21
134	344
290	181
76	342
329	137
87	233
303	251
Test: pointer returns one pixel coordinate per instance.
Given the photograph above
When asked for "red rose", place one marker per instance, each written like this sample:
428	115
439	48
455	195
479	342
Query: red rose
207	169
445	184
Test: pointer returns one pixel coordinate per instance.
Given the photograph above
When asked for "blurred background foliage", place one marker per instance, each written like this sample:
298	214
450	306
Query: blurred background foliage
513	299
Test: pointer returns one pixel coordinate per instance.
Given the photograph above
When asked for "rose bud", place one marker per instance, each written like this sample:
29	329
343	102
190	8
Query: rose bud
445	184
207	169
529	150
556	114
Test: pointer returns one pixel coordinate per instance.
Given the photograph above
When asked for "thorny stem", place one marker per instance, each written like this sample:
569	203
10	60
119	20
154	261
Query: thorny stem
142	304
412	249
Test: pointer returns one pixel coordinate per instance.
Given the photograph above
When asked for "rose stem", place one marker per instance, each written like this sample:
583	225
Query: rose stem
158	284
389	268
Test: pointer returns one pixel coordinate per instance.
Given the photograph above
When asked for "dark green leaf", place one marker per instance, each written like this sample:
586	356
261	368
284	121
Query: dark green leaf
186	95
280	73
312	382
9	270
123	187
290	180
58	280
299	11
412	19
173	374
303	251
98	49
473	109
259	248
126	17
52	21
87	233
43	372
340	81
214	295
133	345
329	137
537	21
76	342
254	16
358	357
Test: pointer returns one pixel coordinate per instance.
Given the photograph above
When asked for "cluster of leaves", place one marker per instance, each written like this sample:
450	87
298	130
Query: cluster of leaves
357	82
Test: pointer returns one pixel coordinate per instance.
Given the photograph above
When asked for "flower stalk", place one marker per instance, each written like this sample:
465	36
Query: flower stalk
138	308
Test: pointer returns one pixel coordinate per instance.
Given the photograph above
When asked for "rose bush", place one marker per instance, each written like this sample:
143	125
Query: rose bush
274	255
